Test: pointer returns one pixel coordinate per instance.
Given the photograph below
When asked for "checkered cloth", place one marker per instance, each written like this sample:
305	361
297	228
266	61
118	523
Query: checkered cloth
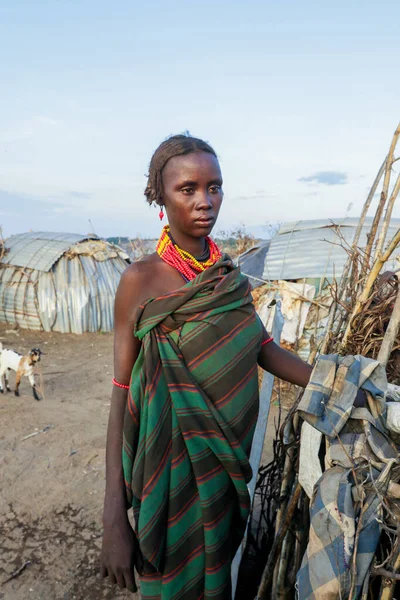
358	450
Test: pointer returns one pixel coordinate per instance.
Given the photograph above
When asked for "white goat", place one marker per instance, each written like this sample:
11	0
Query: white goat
22	365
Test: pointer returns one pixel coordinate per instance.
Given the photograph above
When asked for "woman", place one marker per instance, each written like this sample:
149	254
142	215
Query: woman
181	422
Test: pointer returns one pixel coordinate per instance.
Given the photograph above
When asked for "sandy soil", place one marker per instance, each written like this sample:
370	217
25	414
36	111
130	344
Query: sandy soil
52	484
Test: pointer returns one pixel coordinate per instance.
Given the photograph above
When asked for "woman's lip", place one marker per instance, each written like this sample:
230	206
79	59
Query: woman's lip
205	221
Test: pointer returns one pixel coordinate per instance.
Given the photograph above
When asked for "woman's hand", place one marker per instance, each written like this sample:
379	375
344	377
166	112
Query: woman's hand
291	368
120	553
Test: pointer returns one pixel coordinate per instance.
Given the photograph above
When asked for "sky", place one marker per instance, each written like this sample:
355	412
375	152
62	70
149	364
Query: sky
299	98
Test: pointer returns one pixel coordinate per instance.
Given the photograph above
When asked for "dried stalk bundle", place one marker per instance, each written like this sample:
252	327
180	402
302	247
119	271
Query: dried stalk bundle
364	319
371	323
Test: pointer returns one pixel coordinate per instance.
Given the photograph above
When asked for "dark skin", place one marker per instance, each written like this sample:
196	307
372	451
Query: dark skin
192	195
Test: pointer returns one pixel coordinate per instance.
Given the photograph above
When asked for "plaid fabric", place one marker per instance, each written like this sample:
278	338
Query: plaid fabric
358	450
191	414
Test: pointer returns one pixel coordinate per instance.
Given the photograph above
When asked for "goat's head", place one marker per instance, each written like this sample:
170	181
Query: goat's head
35	355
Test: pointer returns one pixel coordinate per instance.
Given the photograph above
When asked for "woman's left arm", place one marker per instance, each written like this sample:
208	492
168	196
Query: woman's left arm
284	364
291	368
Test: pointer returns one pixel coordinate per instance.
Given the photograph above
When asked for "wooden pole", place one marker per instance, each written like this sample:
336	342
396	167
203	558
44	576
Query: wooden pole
391	332
388	215
382	201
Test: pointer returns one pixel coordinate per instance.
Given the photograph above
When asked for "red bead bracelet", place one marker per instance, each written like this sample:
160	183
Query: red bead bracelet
120	385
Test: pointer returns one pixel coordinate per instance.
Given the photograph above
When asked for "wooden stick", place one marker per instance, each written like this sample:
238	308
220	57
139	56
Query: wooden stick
387	591
17	572
382	201
367	204
388	215
284	497
391	333
386	182
385	573
357	234
287	477
374	228
280	591
277	544
37	432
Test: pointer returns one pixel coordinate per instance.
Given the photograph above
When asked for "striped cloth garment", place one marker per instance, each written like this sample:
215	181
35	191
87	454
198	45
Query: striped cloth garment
191	413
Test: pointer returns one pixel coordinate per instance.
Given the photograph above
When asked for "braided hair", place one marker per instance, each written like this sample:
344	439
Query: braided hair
176	145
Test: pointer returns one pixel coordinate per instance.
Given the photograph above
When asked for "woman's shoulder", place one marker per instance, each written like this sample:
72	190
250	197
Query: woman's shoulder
142	266
148	278
136	280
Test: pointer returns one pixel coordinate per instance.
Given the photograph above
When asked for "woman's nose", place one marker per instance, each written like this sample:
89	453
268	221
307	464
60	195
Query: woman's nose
204	200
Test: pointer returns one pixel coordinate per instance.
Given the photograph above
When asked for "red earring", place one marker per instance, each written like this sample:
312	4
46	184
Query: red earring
161	214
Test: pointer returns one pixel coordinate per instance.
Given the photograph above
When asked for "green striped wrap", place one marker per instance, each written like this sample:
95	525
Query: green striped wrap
191	413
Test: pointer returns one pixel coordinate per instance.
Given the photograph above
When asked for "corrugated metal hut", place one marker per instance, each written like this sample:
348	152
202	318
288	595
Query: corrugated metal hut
300	262
59	282
312	250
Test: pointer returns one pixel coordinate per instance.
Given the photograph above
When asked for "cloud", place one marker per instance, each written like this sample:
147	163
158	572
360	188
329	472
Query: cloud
259	195
326	178
15	132
22	212
80	195
20	204
46	120
11	135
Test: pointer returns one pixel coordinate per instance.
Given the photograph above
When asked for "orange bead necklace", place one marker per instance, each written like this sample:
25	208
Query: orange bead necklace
188	265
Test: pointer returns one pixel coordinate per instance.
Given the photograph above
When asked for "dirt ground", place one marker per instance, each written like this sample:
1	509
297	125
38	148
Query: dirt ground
52	484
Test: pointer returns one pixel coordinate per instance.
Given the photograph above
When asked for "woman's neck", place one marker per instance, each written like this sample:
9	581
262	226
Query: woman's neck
195	246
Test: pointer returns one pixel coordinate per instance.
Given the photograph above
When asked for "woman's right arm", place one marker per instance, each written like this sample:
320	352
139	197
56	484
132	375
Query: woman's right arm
120	549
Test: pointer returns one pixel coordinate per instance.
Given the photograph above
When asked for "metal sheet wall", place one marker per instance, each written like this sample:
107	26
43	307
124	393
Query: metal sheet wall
38	250
311	253
76	295
18	301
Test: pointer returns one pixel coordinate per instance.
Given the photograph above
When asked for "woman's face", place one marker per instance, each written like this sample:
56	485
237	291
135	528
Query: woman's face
192	192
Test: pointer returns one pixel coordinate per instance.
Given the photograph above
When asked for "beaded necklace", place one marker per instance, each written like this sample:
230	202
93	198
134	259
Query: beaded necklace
188	266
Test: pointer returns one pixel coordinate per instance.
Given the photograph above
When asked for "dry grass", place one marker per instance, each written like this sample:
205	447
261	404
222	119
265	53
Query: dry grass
235	241
370	325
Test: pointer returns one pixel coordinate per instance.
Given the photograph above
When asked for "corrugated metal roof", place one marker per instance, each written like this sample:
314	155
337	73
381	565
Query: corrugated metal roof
252	262
323	223
75	295
311	249
39	249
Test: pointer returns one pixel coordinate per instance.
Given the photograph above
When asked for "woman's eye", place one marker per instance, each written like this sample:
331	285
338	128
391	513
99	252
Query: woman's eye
187	190
215	189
